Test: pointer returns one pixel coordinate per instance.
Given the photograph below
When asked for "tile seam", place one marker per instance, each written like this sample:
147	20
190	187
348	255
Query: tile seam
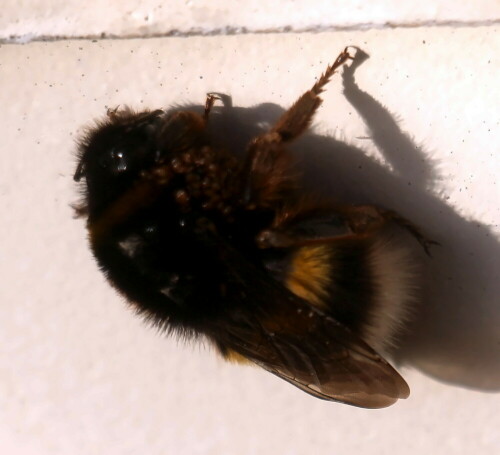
231	31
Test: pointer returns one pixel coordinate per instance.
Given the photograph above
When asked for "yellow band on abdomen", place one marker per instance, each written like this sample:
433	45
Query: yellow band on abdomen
309	274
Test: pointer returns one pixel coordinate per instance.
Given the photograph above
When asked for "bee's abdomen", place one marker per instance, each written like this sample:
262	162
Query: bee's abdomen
366	284
393	269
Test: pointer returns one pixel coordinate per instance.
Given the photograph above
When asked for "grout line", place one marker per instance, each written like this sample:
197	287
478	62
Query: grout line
230	31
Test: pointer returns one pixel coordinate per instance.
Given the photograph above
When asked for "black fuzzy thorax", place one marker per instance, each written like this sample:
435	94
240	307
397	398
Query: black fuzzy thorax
173	267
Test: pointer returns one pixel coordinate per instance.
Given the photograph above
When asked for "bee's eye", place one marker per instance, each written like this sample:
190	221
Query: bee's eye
114	160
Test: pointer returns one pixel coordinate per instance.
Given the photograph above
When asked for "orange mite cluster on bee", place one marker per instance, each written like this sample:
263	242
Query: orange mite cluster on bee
207	178
237	251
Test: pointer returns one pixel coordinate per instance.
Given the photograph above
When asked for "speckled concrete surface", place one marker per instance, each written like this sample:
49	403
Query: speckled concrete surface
80	374
24	20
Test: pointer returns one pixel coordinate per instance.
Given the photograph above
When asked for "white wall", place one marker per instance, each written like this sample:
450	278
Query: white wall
79	374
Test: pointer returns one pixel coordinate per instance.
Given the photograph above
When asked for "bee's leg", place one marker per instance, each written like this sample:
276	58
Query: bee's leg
209	104
111	112
369	218
266	170
298	117
360	220
270	238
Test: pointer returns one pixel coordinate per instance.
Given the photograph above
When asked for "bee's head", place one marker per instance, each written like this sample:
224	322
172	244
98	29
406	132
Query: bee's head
171	148
114	152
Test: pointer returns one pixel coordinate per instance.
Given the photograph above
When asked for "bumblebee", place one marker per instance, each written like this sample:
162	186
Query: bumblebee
236	251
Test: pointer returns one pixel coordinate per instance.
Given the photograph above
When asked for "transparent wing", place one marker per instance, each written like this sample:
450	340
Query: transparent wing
315	353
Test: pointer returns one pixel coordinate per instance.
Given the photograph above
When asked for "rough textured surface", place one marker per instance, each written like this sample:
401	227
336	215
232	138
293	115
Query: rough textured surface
31	19
80	374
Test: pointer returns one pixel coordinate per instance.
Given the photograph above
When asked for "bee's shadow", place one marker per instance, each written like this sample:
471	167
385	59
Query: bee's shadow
454	334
